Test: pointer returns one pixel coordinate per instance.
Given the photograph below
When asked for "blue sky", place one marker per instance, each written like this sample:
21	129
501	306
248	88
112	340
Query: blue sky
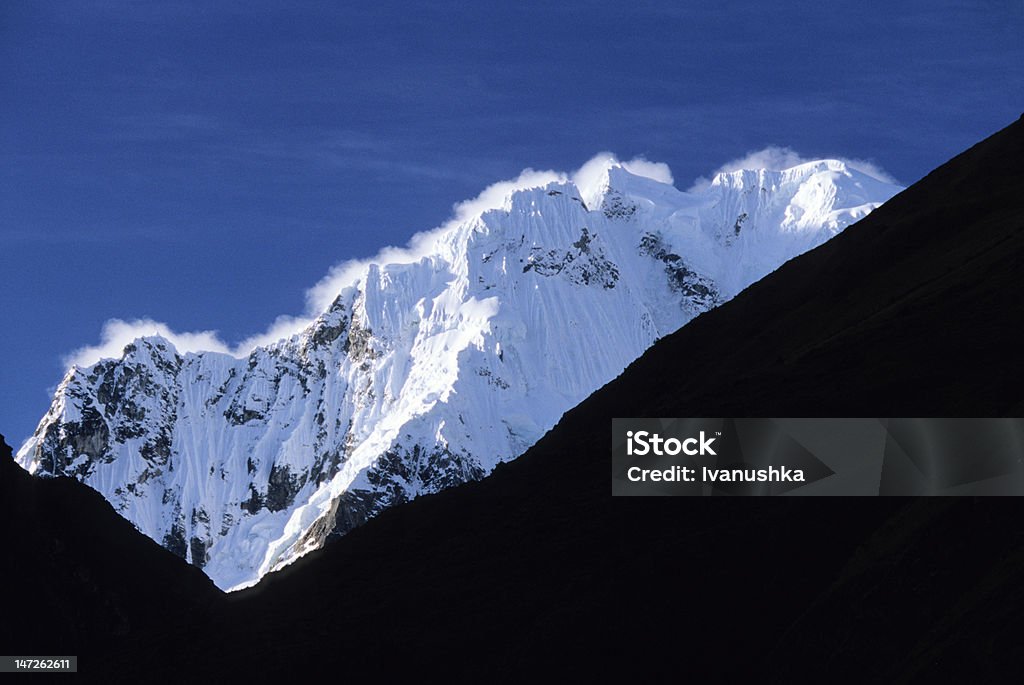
203	164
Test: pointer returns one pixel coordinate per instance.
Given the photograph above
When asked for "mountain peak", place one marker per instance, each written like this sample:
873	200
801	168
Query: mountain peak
433	365
154	341
833	170
605	173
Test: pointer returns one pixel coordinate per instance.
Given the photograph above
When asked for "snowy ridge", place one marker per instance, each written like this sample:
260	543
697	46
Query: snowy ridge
424	374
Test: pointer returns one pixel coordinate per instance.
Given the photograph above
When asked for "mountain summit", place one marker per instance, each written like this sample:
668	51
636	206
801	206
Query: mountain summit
425	372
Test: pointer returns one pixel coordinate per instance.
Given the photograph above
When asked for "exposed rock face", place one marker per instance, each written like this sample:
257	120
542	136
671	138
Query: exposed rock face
423	375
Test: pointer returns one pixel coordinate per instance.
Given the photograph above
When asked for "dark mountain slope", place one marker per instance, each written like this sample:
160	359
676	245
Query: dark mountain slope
910	312
913	311
79	579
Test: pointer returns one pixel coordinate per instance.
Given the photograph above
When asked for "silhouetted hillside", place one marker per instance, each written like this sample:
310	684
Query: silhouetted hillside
914	311
79	579
909	313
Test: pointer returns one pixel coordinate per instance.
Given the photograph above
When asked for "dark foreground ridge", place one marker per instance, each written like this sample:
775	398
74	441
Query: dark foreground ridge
536	569
79	579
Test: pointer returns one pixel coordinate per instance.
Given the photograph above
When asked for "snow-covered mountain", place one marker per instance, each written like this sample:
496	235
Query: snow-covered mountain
427	372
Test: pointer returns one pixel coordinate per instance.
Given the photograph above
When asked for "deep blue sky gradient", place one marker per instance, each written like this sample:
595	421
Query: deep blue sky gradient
203	163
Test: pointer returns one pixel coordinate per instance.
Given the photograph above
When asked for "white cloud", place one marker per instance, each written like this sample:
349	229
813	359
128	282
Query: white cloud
117	333
772	157
590	177
778	158
283	327
494	196
659	171
871	169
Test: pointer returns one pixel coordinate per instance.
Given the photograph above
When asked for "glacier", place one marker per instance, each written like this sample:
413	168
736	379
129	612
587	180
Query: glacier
425	371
